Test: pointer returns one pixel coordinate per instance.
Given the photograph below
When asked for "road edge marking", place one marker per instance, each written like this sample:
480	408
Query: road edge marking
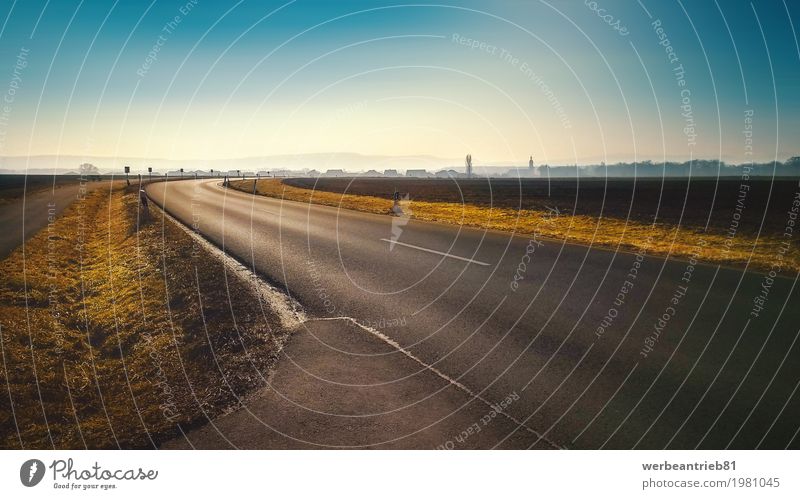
389	341
469	260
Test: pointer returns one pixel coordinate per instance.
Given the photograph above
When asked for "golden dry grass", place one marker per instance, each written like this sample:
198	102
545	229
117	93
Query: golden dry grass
105	341
660	239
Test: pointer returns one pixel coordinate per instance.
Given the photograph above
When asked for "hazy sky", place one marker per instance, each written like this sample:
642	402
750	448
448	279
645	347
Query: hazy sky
565	81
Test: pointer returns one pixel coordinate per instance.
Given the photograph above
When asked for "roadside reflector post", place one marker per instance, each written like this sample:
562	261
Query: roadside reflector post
181	172
255	182
396	208
143	199
144	210
149	173
127	171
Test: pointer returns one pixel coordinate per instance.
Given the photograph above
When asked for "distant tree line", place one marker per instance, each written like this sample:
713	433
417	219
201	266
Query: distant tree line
700	167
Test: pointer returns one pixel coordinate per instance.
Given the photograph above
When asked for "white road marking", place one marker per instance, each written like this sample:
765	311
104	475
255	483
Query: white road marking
437	252
461	386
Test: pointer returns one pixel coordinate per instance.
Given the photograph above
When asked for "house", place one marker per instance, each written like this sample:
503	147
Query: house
421	173
371	173
335	173
390	173
448	174
521	173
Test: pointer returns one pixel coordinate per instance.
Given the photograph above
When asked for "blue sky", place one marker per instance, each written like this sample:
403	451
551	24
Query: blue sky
556	80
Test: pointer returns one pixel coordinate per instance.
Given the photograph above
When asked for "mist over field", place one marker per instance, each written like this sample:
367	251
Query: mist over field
358	164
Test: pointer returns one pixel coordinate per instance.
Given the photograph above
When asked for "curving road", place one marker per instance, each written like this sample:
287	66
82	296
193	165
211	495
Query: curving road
568	339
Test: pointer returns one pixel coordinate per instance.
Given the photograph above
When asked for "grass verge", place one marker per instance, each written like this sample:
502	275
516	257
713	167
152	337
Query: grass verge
116	334
763	252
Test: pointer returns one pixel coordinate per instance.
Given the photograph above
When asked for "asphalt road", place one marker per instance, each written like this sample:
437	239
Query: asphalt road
714	376
337	386
24	216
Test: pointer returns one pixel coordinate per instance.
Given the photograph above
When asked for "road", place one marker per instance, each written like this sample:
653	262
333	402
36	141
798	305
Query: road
578	341
29	214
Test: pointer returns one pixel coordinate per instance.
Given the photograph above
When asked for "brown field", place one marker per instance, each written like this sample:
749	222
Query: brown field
658	217
105	342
